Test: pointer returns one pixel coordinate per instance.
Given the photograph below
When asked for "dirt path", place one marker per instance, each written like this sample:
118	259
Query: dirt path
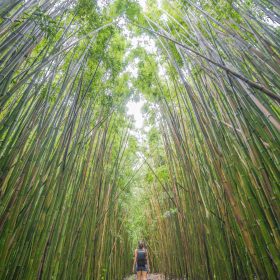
150	277
155	277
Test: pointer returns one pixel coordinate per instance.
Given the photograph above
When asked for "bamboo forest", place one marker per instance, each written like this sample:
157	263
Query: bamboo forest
128	120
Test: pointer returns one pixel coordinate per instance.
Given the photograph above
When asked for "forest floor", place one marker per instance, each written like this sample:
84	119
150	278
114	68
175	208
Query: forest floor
150	277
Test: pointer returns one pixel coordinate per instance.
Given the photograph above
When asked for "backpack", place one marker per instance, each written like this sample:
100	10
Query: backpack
141	257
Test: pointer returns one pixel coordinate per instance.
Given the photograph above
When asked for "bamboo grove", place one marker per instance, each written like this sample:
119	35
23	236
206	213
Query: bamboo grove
78	188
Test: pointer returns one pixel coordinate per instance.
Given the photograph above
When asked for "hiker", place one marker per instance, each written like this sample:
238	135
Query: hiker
141	261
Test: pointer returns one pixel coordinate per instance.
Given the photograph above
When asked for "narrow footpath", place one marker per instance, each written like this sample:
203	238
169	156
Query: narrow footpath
150	277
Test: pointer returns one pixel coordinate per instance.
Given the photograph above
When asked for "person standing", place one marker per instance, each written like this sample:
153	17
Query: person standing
141	261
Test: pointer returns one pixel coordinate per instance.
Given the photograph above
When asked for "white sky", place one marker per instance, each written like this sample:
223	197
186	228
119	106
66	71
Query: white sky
134	109
102	3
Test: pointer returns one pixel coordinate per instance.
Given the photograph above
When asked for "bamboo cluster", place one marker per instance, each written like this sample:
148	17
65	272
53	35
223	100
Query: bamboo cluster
220	213
61	150
207	186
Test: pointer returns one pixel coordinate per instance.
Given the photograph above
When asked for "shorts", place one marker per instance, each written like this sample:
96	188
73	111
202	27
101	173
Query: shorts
142	267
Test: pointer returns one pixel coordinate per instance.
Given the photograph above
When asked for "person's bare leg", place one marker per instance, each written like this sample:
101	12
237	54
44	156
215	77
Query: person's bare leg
144	275
139	275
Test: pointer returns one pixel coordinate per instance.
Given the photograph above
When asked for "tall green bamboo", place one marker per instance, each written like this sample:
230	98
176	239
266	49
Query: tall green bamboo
62	145
221	138
78	189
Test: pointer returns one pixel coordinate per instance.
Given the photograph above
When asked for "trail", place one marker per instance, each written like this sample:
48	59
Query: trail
154	276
